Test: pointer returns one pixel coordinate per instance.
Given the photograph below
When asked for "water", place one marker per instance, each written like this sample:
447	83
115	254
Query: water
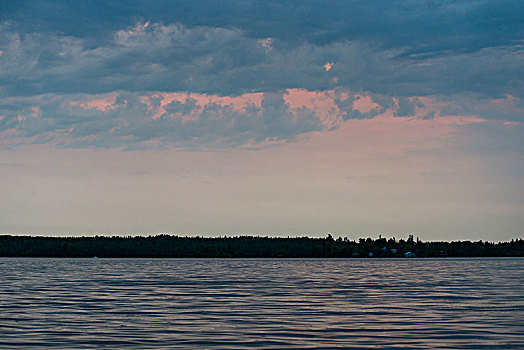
266	303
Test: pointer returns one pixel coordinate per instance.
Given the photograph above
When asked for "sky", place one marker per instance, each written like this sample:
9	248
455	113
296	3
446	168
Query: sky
272	118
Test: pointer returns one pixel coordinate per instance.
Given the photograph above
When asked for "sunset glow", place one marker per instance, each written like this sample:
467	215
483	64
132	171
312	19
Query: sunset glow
156	121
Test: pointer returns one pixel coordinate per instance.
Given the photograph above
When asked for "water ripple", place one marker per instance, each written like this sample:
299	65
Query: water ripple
266	303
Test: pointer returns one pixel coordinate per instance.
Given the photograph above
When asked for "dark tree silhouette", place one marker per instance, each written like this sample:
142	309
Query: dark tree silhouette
247	247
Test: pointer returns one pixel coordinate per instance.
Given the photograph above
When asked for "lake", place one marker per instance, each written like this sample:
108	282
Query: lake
262	303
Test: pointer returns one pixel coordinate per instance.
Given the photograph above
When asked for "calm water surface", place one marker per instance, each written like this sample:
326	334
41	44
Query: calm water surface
267	303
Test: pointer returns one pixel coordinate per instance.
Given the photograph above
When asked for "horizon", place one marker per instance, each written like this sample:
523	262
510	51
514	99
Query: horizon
249	117
326	237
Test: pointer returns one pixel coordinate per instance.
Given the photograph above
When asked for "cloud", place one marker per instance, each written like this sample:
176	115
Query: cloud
405	107
129	120
507	108
153	56
425	27
99	74
194	120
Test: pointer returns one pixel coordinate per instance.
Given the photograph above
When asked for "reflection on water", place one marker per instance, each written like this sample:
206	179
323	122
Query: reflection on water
266	303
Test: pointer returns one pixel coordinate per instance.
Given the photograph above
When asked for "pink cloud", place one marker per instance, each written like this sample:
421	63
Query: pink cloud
427	105
324	105
507	101
102	103
390	135
267	44
237	103
36	112
322	102
331	108
364	104
509	106
328	66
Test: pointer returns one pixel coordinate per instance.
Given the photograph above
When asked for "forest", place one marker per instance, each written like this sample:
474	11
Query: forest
168	246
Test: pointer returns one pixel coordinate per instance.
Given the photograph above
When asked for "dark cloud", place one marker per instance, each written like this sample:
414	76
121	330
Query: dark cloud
505	108
402	48
406	107
425	26
495	139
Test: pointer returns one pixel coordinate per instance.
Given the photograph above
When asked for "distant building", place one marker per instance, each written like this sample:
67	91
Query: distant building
409	255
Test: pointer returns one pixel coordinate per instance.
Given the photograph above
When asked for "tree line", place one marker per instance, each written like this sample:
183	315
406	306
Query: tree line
168	246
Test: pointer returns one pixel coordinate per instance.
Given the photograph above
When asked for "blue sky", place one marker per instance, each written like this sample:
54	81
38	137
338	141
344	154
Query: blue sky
404	104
